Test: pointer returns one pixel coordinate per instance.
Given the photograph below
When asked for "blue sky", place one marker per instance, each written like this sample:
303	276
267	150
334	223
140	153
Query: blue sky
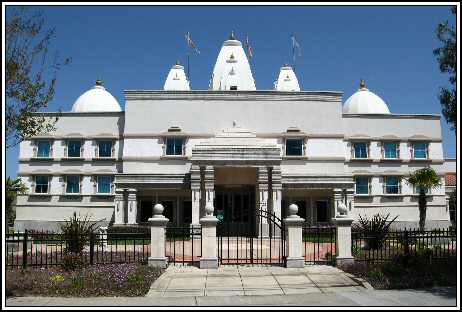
133	47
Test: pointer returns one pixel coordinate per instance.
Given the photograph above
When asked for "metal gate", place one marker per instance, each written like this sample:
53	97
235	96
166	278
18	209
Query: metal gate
260	241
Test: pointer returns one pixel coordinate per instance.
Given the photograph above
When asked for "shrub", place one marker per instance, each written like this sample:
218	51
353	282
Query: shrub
375	230
77	233
72	261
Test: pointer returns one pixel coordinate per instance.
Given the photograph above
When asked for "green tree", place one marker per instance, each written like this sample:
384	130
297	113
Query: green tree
423	180
30	75
447	59
12	189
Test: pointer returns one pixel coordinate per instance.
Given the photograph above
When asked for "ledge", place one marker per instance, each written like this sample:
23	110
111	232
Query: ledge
72	195
104	158
72	158
361	160
41	194
38	159
392	195
103	194
294	157
167	157
364	195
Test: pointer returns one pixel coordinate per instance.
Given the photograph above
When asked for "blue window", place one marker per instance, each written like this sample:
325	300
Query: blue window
420	150
73	184
362	185
41	184
105	148
43	149
104	184
73	148
418	188
360	149
391	185
174	146
390	150
294	147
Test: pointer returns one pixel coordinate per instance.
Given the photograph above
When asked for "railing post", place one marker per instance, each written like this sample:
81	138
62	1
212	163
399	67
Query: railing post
343	224
209	259
24	250
294	240
158	223
92	247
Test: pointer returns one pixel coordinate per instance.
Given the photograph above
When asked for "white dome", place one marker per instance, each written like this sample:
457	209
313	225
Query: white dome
232	61
176	79
365	102
96	99
287	81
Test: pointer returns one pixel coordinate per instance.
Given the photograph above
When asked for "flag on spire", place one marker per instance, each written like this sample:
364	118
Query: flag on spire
295	45
248	46
191	43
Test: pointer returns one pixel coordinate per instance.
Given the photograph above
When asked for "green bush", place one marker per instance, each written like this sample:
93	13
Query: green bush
77	233
374	230
72	261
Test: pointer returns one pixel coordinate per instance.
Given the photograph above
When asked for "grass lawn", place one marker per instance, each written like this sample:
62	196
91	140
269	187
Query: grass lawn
90	281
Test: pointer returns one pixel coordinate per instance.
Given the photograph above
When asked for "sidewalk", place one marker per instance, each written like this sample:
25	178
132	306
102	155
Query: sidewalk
442	297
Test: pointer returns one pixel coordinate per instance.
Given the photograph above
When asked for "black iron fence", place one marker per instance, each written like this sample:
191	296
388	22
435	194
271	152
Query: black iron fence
319	243
43	249
437	244
183	244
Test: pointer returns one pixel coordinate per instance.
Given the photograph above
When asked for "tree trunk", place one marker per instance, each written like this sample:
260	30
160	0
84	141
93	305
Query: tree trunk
422	209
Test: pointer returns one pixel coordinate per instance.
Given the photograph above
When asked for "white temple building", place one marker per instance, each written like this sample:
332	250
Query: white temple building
234	146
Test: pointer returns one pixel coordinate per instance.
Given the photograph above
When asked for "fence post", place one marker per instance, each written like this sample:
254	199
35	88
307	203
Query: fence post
406	242
24	250
158	223
294	239
209	259
92	247
343	224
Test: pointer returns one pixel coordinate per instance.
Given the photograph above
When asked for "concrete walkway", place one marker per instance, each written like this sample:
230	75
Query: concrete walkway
442	297
185	281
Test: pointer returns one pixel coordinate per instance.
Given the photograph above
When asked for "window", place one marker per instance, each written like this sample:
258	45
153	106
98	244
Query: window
392	185
73	148
294	147
41	184
105	149
321	211
233	88
418	188
104	184
187	212
362	185
420	150
360	149
43	149
174	146
73	184
390	150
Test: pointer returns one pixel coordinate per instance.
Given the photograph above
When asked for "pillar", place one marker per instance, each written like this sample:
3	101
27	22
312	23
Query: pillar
119	207
262	185
209	184
195	194
294	243
158	223
132	206
209	259
343	248
276	182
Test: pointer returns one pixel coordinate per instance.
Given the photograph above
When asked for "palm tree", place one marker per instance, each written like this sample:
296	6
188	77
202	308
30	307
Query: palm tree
423	180
12	189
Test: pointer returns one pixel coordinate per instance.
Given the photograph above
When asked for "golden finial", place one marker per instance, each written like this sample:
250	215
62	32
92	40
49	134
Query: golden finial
231	36
99	82
285	65
362	84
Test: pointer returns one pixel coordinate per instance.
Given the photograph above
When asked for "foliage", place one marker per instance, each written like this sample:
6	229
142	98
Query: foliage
425	179
12	189
77	233
90	281
374	230
30	75
447	59
453	206
72	261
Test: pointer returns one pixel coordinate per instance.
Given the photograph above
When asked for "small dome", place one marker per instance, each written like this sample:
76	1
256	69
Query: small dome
287	81
176	79
96	99
364	101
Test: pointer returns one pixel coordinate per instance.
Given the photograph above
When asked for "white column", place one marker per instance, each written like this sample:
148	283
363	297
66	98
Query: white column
132	206
209	184
343	249
158	223
195	194
119	207
209	258
294	242
262	181
276	182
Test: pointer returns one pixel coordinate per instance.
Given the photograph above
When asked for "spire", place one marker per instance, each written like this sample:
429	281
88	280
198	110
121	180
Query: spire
98	82
362	84
176	79
287	80
231	36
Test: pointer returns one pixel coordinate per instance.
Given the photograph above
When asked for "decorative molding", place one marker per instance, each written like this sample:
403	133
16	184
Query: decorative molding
148	180
393	116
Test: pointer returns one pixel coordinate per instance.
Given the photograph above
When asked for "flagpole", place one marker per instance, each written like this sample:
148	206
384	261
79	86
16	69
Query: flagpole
189	78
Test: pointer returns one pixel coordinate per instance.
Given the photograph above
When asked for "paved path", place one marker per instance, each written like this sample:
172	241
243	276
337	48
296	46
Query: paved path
394	298
184	281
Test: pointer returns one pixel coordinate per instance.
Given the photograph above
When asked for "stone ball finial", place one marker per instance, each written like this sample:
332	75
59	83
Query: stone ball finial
157	210
293	210
209	209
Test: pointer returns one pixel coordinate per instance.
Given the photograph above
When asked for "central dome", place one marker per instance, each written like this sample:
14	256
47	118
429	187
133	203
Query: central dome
96	99
364	101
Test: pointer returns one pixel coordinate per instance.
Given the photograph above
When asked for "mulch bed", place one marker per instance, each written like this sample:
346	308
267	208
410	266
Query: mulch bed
126	280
